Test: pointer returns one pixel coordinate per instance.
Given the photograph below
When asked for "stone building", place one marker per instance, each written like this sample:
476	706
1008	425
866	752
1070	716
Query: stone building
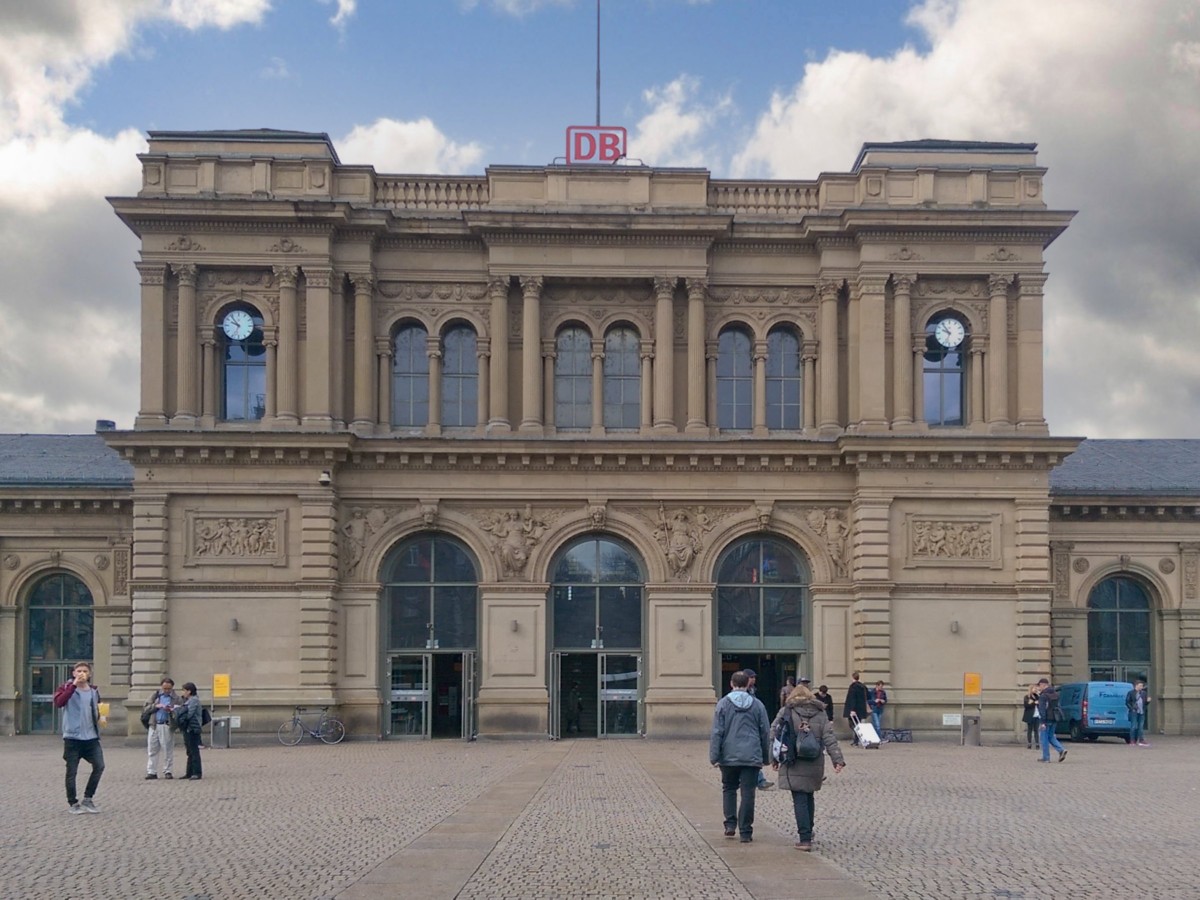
553	450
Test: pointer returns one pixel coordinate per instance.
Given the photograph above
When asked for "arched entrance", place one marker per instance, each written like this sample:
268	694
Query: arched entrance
1119	630
59	634
431	634
596	623
762	614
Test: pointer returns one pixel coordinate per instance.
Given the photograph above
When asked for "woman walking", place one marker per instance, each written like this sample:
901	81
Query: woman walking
190	720
803	777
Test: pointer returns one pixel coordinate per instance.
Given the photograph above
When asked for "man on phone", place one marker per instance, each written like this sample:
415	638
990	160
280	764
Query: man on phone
80	703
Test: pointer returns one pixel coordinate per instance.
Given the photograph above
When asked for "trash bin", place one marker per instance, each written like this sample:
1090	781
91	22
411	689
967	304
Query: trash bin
971	731
220	733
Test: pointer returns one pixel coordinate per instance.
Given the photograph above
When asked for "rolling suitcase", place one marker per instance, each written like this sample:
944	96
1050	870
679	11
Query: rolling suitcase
868	737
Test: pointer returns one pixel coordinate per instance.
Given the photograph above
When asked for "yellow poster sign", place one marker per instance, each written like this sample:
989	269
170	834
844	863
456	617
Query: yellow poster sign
972	684
220	686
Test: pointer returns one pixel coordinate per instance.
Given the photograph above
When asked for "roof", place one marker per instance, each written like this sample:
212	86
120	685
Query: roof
61	460
1129	468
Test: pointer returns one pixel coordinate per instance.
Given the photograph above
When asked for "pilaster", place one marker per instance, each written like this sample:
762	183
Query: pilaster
679	658
531	356
827	291
872	355
902	370
664	354
513	700
318	364
1030	413
186	371
697	290
287	406
154	341
498	414
364	353
997	382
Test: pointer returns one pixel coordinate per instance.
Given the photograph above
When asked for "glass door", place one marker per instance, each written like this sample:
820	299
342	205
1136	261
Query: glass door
555	728
469	725
620	694
410	694
44	679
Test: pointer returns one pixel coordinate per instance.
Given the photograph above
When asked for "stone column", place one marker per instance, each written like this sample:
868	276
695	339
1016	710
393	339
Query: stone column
483	360
902	370
498	415
853	355
712	350
597	387
697	289
318	350
760	387
337	350
664	354
828	363
1030	413
976	381
872	355
208	378
549	355
289	341
186	371
808	357
531	358
646	354
271	342
383	352
997	401
154	342
918	368
433	350
364	353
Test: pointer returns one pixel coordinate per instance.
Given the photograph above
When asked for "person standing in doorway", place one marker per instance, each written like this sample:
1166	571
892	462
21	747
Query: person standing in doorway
856	702
159	736
1049	715
740	745
1029	715
752	689
1138	704
786	689
190	720
878	699
80	703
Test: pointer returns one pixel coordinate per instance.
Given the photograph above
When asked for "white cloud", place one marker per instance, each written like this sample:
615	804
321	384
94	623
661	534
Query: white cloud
276	69
517	8
1111	92
673	132
400	147
345	10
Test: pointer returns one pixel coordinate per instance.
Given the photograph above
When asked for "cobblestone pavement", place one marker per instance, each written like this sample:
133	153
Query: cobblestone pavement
601	819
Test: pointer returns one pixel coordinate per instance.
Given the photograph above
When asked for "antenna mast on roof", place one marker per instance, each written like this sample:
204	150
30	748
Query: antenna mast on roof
597	63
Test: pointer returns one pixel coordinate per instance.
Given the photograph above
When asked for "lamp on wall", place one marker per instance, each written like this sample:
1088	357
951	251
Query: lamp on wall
954	626
682	626
514	626
233	624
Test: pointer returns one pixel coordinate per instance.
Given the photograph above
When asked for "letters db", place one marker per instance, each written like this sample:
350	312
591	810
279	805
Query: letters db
595	144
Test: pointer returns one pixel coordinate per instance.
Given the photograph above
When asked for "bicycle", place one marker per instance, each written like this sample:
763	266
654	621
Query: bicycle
329	729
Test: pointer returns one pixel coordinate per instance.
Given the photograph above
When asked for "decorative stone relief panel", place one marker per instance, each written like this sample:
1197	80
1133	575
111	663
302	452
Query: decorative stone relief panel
1060	558
760	304
681	532
215	539
360	523
1191	570
967	294
515	533
216	287
830	525
953	540
596	305
121	571
430	301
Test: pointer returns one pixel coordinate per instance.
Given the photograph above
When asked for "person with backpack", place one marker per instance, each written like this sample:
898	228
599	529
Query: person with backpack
190	719
156	717
802	767
740	744
1049	715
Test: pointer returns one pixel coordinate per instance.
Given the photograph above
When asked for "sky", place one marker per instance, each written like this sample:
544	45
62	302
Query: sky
1108	89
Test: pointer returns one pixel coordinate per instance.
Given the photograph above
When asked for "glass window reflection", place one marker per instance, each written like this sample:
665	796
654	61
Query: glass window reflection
431	580
244	372
762	589
410	377
597	595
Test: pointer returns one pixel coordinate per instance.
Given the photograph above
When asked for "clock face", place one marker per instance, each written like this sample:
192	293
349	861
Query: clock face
238	324
949	333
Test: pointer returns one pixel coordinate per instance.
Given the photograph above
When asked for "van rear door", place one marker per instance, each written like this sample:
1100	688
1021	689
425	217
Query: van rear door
1106	708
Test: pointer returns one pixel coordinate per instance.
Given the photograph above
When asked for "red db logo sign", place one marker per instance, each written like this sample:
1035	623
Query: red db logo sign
594	144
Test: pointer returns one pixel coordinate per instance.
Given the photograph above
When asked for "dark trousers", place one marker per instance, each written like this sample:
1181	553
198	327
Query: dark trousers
805	807
73	752
1031	732
733	780
191	741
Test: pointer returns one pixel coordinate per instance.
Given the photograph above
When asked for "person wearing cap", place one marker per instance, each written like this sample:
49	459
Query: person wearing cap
752	690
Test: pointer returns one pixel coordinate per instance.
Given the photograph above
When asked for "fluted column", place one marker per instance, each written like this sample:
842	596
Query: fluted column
208	379
383	352
918	369
153	411
271	342
808	358
364	352
997	401
483	360
433	350
664	354
902	370
318	349
187	345
975	375
646	354
697	289
827	291
872	355
597	386
498	415
549	355
289	345
760	387
531	353
1030	411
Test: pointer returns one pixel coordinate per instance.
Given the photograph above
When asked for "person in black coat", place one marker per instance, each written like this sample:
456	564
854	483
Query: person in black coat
1029	716
856	702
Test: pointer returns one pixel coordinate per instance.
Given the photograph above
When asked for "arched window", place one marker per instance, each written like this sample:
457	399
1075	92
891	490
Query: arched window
410	377
945	381
735	381
59	634
460	377
762	589
1119	630
244	365
430	589
597	591
622	378
573	379
783	380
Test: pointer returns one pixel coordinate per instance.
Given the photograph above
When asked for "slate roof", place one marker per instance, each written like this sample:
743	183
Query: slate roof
61	460
1129	468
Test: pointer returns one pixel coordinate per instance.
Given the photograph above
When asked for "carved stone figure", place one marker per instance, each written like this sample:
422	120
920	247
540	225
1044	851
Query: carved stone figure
681	536
828	524
235	537
515	535
951	540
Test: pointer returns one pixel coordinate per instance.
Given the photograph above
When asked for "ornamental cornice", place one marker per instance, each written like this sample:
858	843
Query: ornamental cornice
182	225
998	236
34	503
576	239
787	247
443	244
421	291
751	296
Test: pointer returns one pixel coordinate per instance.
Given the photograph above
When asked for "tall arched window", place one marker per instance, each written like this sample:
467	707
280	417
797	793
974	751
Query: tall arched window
597	591
1119	630
762	586
410	377
573	379
783	380
244	365
622	378
945	382
735	381
59	634
460	377
430	590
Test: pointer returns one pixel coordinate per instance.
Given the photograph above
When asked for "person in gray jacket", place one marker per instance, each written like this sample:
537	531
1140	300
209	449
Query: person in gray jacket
741	745
803	777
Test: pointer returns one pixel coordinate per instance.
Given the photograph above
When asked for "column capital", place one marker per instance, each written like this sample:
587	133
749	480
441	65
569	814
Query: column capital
903	282
597	348
383	347
828	288
549	350
318	277
697	288
364	282
871	284
186	273
760	350
664	285
483	348
498	287
287	276
998	284
1031	283
809	350
152	273
918	343
712	349
531	285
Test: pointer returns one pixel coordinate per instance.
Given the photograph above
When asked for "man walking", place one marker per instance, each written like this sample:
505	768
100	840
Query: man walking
159	737
1049	715
856	702
1137	702
80	703
740	744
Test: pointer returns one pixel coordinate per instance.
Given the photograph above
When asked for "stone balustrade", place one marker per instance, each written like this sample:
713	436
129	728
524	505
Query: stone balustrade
438	192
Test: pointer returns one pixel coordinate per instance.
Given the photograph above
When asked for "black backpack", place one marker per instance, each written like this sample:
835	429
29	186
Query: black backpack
796	745
1054	711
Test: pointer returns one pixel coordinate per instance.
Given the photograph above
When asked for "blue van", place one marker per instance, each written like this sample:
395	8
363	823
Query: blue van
1093	708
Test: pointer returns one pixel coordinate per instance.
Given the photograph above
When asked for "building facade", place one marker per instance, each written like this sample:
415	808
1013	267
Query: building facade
553	450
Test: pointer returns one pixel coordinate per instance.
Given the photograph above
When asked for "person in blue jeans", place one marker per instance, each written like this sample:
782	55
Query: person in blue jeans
1137	703
878	700
1049	712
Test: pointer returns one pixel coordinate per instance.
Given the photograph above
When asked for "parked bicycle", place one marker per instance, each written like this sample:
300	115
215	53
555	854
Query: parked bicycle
329	729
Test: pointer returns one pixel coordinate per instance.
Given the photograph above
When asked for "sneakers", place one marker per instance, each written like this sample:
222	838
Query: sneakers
168	776
746	839
1062	754
1143	743
805	846
766	785
153	777
75	809
88	806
